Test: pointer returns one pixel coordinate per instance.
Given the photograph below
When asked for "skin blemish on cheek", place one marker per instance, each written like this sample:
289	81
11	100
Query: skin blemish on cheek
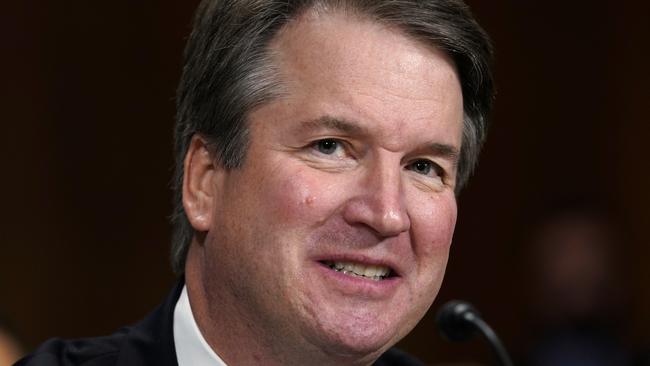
301	189
309	200
300	203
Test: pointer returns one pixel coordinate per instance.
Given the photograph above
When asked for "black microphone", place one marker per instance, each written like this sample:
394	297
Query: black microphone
460	321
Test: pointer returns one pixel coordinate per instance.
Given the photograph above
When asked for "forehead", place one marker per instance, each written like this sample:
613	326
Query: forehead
320	42
337	61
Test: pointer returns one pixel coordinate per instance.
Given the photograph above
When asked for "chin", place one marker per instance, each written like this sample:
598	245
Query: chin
352	341
361	351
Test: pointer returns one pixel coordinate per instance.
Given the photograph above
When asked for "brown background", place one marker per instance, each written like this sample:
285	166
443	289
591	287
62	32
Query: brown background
87	114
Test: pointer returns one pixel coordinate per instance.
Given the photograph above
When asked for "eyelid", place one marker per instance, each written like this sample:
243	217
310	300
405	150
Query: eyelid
434	166
439	175
341	144
438	168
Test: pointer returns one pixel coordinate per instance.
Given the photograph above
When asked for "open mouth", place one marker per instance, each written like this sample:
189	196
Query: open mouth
375	273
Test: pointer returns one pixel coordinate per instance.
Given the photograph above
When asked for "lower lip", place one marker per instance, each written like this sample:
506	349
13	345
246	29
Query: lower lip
358	286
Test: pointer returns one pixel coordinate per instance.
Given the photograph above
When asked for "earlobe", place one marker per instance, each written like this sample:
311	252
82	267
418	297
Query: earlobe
200	184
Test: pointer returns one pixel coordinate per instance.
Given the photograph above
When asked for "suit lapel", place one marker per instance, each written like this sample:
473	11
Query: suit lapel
151	342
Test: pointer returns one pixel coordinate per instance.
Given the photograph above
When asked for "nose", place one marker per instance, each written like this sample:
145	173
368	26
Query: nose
379	202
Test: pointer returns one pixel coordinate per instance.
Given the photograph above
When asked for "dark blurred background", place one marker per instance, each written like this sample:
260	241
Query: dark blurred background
87	115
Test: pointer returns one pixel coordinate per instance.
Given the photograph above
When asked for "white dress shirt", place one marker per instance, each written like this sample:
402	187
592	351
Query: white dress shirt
191	347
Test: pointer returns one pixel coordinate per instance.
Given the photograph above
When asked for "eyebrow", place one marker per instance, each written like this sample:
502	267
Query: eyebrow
333	123
445	151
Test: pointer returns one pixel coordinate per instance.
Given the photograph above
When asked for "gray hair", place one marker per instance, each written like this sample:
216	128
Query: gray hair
228	71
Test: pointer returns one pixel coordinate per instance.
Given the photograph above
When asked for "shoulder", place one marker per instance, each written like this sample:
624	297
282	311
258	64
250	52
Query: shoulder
98	351
396	357
149	342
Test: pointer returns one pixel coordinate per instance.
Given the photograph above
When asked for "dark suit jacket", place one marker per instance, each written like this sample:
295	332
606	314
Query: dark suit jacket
148	343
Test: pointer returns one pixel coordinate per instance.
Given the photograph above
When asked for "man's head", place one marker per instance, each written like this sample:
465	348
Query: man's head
228	71
320	170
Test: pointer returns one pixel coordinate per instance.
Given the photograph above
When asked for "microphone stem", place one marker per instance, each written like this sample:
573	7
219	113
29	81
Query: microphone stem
492	338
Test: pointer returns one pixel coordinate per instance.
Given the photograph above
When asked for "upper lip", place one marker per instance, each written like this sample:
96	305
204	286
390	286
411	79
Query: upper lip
363	259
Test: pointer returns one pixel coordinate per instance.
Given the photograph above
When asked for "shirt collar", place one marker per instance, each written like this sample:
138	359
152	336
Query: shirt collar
191	348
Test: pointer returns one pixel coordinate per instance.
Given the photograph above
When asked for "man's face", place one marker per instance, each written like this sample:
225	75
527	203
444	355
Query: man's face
335	233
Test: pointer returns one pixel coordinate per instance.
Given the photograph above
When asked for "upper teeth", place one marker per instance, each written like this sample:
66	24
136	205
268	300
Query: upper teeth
372	272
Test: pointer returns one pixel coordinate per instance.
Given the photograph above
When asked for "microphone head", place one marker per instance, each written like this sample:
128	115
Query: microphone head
455	320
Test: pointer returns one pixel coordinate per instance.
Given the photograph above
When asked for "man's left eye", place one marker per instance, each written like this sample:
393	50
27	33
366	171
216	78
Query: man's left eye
424	167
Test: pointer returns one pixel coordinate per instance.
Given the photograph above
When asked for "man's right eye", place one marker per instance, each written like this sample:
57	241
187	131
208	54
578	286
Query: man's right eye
331	153
327	146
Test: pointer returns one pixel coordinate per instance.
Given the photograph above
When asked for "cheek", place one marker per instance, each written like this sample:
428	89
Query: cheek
434	224
301	197
433	228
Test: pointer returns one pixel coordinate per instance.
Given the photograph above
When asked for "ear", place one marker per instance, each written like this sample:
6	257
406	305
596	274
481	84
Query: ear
200	184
